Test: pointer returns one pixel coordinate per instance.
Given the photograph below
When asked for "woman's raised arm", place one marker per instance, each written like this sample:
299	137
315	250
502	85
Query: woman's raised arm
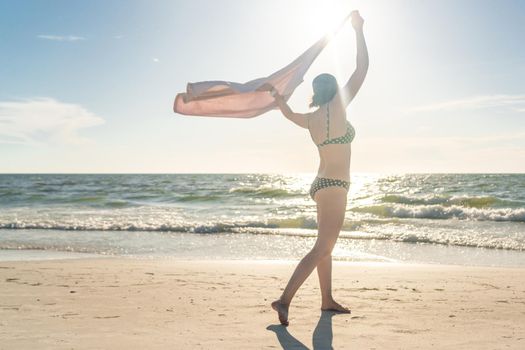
356	80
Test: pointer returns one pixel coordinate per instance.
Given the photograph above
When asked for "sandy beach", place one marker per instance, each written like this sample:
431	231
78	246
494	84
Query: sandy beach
160	304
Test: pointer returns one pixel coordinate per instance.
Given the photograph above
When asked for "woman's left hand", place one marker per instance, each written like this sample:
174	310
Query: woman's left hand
357	20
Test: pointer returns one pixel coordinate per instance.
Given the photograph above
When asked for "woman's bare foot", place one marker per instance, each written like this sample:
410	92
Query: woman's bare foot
282	311
334	306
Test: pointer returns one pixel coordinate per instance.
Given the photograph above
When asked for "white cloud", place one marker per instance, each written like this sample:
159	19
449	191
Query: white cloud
155	59
43	120
476	102
60	37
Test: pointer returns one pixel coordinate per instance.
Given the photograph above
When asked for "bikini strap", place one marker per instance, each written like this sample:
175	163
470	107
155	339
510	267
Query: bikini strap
327	121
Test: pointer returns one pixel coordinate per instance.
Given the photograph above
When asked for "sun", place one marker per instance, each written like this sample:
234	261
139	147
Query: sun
324	16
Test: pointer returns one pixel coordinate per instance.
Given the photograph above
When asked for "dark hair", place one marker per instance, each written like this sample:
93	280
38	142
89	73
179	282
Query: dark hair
325	88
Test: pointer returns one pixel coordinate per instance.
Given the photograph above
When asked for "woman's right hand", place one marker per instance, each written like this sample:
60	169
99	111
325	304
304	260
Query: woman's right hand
271	89
357	20
265	87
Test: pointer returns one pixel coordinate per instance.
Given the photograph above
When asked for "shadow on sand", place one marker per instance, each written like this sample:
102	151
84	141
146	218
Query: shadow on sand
321	339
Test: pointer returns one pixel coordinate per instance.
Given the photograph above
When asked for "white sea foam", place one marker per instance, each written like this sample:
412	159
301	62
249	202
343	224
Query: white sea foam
444	212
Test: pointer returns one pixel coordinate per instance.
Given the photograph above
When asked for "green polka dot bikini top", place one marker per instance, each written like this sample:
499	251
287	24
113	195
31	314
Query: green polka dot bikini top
346	138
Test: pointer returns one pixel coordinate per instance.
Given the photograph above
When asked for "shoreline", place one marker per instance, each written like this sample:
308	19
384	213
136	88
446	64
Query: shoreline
17	244
38	255
214	304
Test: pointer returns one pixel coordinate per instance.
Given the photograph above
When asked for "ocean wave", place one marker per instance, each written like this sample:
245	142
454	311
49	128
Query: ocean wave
127	226
443	212
470	241
99	202
119	224
450	238
463	201
264	191
351	230
460	240
293	222
198	198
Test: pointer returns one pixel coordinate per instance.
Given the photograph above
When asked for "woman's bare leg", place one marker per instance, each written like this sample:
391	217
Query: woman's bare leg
324	271
331	206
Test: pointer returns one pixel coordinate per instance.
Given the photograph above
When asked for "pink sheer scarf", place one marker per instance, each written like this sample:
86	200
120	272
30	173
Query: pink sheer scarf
236	100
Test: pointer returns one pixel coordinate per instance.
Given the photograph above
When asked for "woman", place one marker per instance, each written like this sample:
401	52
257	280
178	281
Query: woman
332	134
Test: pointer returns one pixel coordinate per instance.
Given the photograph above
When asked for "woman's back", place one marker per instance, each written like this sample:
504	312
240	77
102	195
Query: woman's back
332	133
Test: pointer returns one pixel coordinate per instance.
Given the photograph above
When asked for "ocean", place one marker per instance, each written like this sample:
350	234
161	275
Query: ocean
468	219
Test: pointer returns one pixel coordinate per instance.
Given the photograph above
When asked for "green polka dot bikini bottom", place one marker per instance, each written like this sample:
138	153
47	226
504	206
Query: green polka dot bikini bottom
322	182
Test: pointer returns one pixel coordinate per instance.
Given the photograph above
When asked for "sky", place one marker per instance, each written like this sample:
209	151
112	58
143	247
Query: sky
88	86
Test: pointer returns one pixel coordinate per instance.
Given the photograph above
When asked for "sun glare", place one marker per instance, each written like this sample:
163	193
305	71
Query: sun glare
324	16
338	58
